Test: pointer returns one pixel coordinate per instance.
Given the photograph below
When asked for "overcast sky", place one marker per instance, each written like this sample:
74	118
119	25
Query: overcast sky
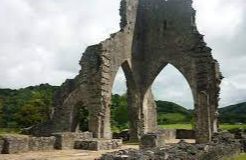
41	41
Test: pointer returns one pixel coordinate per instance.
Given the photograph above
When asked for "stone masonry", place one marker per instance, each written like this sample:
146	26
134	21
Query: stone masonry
66	140
153	34
15	143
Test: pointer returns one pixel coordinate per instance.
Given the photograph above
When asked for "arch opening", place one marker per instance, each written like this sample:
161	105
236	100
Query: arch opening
174	99
81	118
119	106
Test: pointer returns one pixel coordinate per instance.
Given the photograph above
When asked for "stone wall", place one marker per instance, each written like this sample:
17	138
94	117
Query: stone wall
66	140
98	144
10	144
41	143
14	144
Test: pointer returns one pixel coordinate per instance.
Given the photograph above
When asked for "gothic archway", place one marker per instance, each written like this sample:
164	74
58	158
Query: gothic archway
170	88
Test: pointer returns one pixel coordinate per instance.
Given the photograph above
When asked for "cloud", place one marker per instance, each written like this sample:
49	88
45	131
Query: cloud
42	41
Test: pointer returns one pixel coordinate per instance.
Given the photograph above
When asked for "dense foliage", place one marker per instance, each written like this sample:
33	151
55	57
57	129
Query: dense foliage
119	113
25	107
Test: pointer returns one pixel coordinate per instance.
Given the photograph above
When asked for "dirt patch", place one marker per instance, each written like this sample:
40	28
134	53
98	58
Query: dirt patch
60	154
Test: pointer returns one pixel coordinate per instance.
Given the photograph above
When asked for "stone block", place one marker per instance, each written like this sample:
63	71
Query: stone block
66	140
15	144
41	143
98	144
151	140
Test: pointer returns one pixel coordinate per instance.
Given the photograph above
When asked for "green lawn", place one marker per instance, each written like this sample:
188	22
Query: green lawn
176	126
189	126
240	157
232	126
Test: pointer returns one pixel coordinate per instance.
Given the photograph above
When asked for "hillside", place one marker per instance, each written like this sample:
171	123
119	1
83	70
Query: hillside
233	114
170	113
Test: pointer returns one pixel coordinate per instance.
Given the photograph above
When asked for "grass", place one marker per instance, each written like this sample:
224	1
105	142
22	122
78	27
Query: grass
232	126
9	131
189	126
240	157
176	126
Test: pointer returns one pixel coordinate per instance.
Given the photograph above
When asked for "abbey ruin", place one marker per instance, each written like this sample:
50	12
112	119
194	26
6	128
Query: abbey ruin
153	33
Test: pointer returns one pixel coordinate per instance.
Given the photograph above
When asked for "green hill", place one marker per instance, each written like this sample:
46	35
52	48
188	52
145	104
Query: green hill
170	107
233	114
171	113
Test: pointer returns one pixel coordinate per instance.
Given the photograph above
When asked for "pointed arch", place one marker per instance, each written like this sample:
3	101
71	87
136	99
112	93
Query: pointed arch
170	76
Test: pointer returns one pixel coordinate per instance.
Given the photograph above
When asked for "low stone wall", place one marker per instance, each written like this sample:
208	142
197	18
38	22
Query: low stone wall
223	145
185	134
41	143
15	144
167	134
98	144
66	140
10	144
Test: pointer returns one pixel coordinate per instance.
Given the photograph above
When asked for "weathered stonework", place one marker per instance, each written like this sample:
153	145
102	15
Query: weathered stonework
154	33
41	143
14	144
66	140
98	144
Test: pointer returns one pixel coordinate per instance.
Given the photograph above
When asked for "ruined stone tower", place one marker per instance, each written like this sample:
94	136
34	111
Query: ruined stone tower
153	33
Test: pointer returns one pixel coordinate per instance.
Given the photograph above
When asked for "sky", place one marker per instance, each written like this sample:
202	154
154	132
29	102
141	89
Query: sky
42	41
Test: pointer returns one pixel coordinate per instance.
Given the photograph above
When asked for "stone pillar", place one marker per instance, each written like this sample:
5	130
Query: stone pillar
142	113
149	114
203	124
134	114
